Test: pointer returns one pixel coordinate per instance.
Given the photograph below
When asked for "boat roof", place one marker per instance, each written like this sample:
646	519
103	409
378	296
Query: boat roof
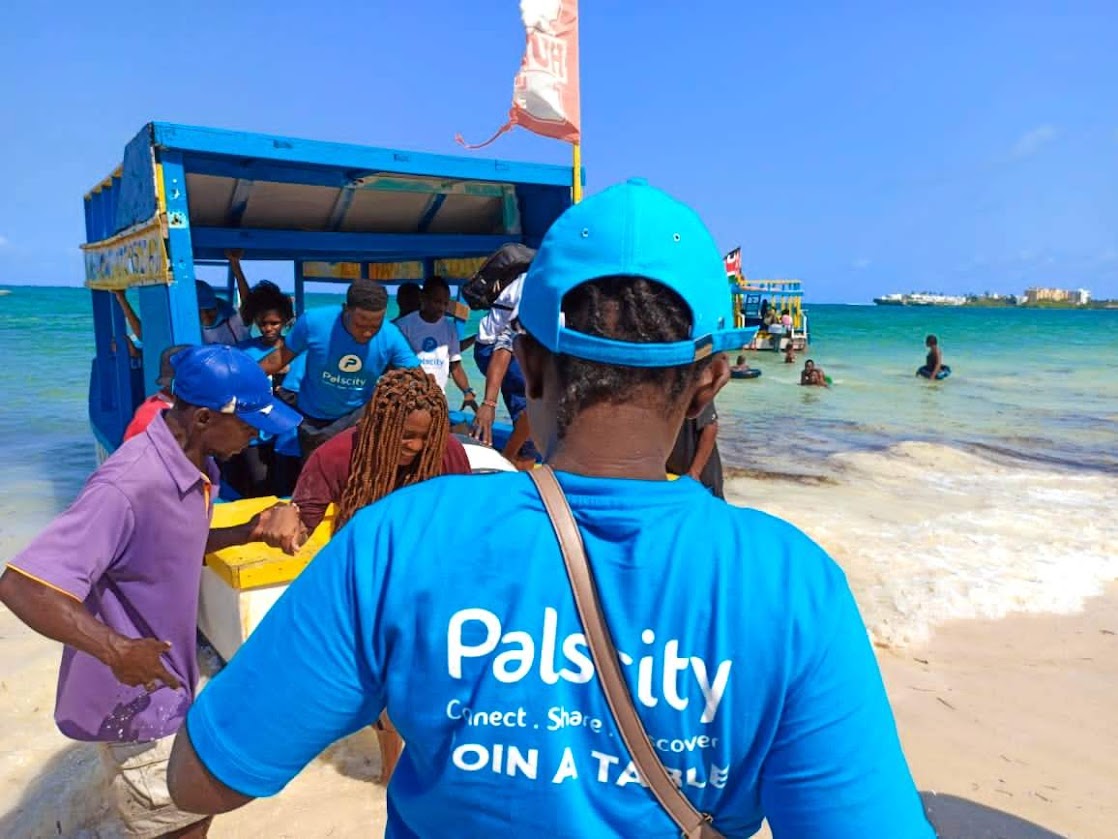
280	197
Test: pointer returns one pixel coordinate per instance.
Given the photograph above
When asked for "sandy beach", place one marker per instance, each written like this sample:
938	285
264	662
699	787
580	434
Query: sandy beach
1011	724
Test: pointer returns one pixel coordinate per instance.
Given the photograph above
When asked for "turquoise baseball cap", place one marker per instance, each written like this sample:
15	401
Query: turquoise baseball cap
631	229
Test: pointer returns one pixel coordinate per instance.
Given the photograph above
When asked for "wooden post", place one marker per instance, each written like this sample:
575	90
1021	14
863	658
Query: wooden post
576	182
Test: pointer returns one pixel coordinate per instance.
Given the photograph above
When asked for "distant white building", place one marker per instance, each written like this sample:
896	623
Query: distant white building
1080	296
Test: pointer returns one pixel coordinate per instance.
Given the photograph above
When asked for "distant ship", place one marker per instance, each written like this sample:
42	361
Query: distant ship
923	298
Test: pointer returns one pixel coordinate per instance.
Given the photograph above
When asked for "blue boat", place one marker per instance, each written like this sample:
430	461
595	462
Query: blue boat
184	196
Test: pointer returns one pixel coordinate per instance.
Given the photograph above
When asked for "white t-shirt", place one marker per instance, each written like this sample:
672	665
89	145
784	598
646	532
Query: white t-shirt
505	308
435	344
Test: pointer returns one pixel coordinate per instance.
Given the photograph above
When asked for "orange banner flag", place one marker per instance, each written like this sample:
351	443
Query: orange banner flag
545	95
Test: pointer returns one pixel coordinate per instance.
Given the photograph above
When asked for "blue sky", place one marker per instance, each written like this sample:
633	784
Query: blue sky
881	147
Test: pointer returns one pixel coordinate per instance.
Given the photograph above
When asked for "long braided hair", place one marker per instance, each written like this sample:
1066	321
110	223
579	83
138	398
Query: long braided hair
373	467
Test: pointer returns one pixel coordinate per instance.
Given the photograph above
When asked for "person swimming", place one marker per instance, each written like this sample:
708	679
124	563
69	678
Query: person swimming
813	376
933	368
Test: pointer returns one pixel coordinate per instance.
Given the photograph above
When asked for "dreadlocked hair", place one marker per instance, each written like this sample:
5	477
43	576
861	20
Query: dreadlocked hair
373	469
626	309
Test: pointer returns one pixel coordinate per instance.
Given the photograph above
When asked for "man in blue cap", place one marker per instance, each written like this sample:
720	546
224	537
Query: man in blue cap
739	638
115	577
220	322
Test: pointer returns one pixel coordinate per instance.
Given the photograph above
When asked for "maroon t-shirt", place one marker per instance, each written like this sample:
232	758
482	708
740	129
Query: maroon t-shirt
326	471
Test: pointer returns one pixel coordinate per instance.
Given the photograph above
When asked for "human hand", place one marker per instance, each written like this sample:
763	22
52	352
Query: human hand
279	527
483	423
234	254
469	402
138	661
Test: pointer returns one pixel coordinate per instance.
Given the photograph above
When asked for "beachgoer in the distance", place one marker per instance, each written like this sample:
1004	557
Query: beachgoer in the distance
742	645
790	353
434	338
813	376
401	439
741	366
347	352
933	363
695	454
115	578
409	297
503	376
159	401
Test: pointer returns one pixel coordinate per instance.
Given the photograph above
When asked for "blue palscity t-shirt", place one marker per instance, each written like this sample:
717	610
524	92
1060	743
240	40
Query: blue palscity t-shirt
741	642
341	373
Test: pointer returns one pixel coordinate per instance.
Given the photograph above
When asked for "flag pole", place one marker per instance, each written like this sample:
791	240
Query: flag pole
576	181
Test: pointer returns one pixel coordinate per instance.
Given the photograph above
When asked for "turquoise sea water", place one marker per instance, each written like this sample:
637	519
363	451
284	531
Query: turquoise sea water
990	492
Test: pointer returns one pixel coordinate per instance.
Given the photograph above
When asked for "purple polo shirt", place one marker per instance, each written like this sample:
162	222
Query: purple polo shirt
130	548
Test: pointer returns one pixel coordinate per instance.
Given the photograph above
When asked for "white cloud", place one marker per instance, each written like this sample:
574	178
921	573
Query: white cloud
3	241
861	263
1033	141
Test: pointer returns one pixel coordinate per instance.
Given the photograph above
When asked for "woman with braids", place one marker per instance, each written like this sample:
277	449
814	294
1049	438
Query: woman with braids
738	637
402	438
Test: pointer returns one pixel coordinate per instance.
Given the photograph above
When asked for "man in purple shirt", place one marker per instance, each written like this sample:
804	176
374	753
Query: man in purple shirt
115	577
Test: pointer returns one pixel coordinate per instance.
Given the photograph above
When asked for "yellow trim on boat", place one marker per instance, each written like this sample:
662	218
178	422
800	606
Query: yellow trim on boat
256	565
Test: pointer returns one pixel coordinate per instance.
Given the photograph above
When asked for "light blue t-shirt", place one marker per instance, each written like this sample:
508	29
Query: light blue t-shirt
340	372
742	644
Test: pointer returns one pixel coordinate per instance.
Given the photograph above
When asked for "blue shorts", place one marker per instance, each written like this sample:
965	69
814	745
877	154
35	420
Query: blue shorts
512	391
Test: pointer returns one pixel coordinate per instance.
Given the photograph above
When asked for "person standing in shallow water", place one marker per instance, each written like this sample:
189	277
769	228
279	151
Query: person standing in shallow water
115	578
933	363
746	656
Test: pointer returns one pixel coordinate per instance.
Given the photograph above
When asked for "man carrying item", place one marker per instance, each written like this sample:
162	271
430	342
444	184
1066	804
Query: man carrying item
346	353
434	338
494	358
738	637
159	401
695	454
115	577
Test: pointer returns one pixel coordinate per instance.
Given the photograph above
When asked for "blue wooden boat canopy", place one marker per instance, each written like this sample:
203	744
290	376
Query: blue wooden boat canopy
184	195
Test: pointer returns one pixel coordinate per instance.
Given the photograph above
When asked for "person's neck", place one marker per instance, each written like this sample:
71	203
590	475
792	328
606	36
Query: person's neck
435	319
615	441
191	448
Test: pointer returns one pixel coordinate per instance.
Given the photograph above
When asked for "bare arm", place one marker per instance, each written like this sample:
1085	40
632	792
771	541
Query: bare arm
277	359
939	363
129	314
243	290
703	450
278	527
60	617
194	788
458	374
483	422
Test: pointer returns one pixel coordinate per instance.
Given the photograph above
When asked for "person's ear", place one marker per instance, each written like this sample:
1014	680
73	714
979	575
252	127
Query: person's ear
202	419
533	361
710	381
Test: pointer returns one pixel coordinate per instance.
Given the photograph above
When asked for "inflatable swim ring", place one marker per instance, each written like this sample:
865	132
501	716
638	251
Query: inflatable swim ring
944	372
751	373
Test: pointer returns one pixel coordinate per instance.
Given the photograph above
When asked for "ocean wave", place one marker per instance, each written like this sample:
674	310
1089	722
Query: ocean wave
929	533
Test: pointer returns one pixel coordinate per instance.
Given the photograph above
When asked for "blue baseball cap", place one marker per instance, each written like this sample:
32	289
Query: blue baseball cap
207	297
227	380
631	229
